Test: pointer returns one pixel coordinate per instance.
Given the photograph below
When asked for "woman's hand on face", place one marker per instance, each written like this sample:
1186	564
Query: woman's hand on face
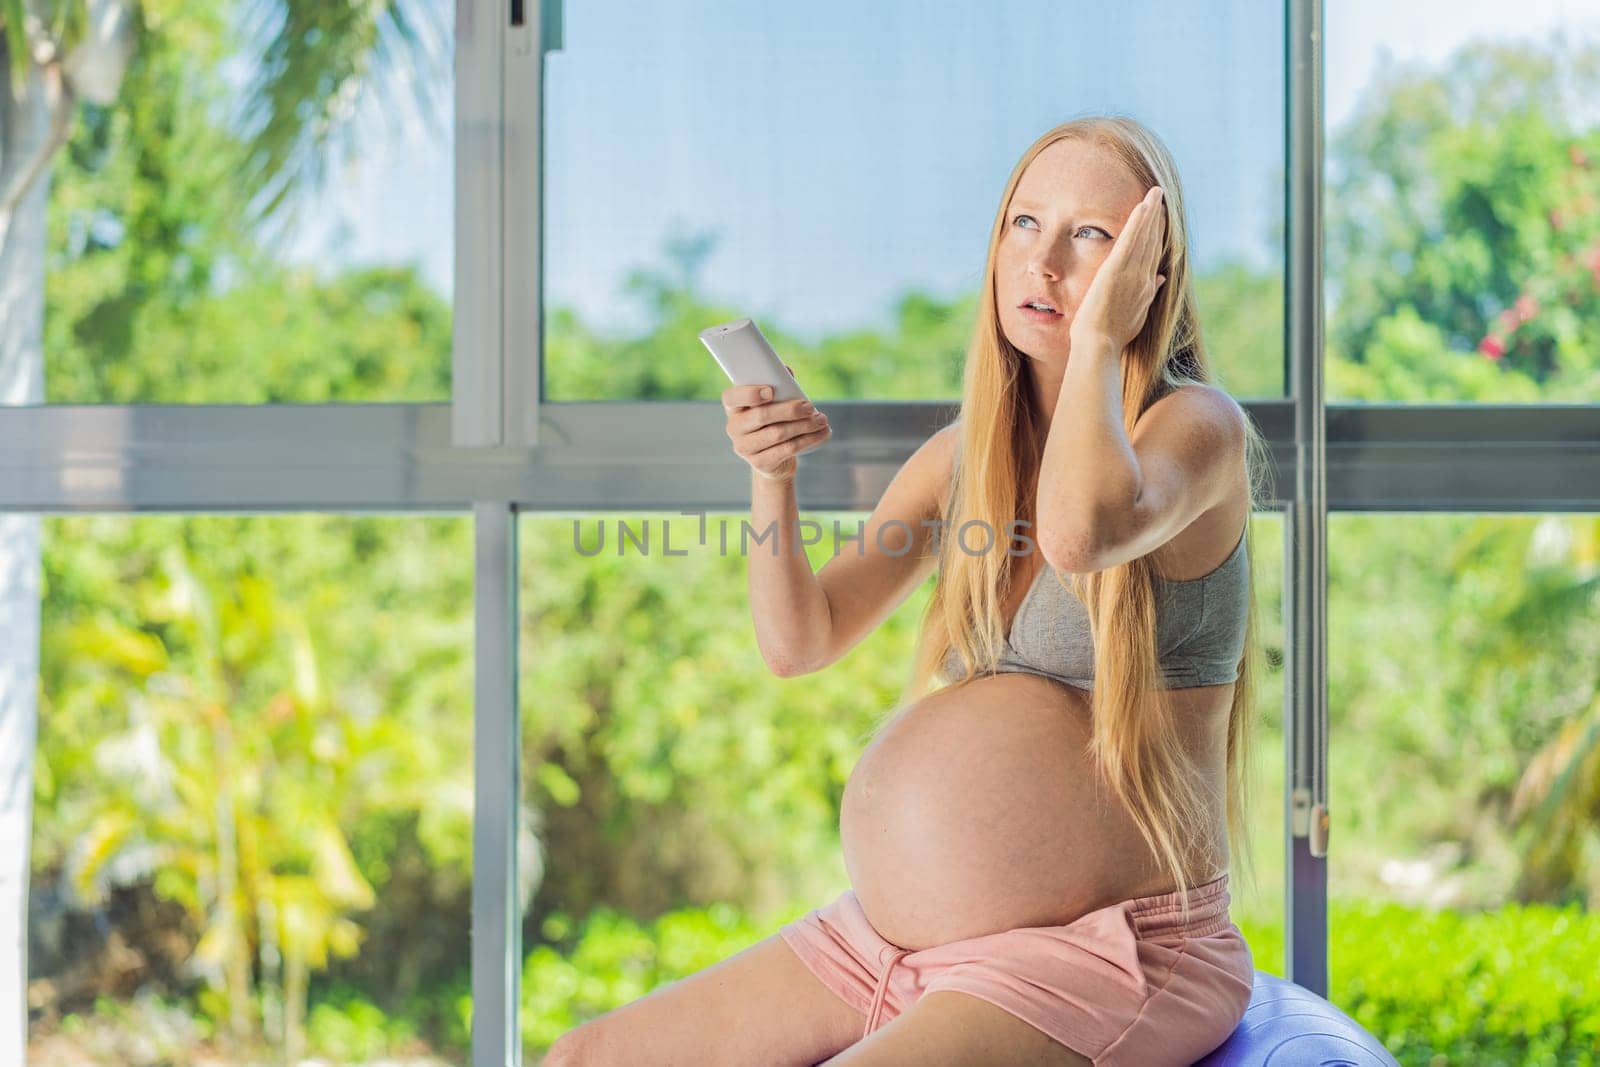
1119	296
768	434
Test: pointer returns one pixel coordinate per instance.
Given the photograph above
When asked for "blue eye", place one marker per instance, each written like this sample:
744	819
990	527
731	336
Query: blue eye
1080	228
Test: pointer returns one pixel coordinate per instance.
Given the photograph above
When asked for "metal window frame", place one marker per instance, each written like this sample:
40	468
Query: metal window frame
477	453
1305	713
667	455
496	790
496	368
477	332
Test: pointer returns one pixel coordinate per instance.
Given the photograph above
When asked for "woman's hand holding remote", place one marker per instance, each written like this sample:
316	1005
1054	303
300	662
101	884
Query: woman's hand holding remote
770	436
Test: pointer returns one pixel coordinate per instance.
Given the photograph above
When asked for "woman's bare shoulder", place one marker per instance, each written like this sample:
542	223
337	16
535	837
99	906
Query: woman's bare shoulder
944	447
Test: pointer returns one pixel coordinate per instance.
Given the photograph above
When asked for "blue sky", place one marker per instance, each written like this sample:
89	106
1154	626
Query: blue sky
841	153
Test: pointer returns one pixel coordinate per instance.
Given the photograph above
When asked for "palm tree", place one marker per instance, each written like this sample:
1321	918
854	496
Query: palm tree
1557	798
320	57
240	816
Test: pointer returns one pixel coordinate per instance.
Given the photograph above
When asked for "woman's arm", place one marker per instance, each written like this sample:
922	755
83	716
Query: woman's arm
786	600
806	622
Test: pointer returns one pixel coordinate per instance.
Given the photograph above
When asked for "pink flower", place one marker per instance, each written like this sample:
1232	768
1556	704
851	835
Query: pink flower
1575	154
1492	347
1526	307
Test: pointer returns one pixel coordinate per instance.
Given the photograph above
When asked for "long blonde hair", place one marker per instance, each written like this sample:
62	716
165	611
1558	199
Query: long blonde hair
1137	753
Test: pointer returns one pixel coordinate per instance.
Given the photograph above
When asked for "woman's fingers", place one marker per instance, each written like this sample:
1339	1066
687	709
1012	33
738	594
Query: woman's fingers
792	446
751	420
778	432
1157	226
1137	233
738	398
773	423
1136	249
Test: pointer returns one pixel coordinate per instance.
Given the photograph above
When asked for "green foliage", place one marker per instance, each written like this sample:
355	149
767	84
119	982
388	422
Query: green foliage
1463	244
143	214
195	736
1497	608
688	772
610	959
346	1027
1241	320
319	61
921	359
1507	987
158	291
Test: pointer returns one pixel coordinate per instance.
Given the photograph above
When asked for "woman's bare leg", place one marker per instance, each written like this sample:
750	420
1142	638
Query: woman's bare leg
759	1006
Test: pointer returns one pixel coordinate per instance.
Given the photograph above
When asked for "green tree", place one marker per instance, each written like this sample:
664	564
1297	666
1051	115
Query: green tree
221	736
1464	262
1463	240
54	54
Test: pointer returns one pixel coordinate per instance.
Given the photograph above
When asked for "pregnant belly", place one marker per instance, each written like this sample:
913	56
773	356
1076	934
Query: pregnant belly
977	810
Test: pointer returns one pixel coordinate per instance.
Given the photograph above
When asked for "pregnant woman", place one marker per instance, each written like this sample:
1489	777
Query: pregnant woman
1037	838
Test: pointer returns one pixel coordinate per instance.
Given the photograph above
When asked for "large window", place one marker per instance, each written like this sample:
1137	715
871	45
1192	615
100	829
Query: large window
833	172
284	268
1462	682
253	791
263	214
651	721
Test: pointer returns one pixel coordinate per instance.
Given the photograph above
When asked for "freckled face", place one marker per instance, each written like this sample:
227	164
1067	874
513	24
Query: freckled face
1068	208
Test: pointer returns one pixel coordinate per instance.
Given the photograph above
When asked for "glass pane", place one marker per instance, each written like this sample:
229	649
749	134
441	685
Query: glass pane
261	213
1256	881
833	172
1464	865
252	831
688	800
1463	170
685	799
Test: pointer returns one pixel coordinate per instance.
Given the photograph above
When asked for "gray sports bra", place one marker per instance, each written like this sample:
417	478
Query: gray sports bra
1200	629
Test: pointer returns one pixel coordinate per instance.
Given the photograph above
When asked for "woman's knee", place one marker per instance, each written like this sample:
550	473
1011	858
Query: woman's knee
575	1048
761	1005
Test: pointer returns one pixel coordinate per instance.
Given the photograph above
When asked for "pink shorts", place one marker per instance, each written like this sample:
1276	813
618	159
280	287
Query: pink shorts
1130	983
